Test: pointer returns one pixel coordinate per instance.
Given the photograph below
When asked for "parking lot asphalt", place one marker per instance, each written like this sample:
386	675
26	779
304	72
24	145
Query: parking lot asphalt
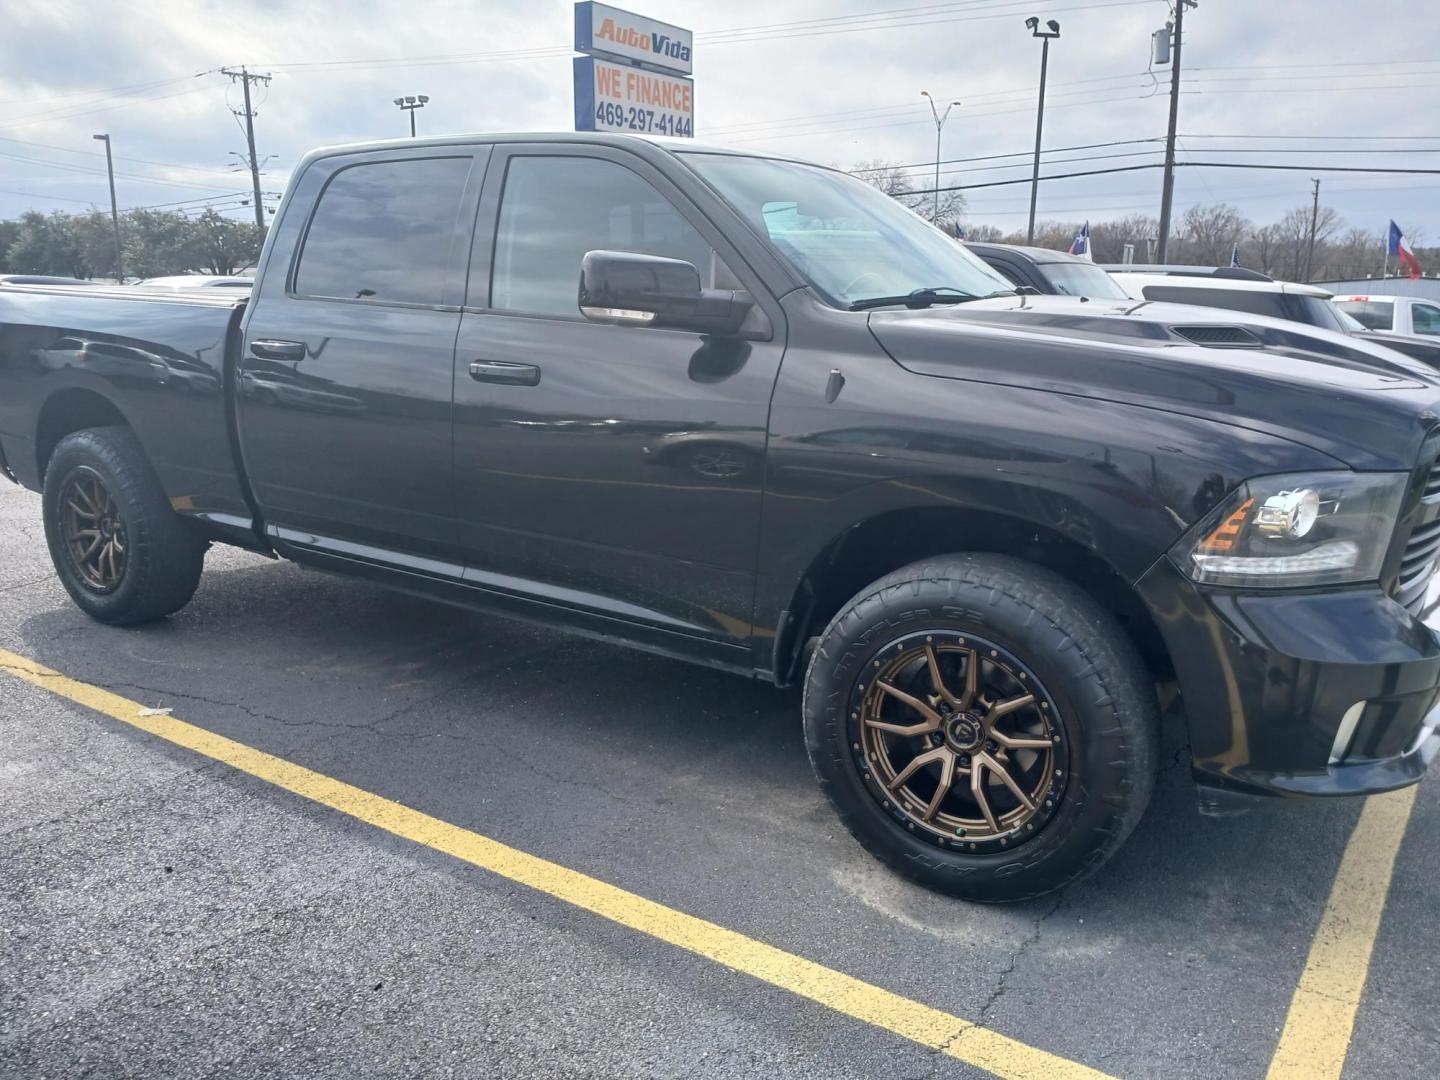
165	914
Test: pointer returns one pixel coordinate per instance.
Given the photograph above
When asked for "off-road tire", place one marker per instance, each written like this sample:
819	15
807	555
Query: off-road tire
163	555
1090	670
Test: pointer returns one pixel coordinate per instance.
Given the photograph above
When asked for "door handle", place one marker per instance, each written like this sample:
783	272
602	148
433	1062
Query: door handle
503	371
272	349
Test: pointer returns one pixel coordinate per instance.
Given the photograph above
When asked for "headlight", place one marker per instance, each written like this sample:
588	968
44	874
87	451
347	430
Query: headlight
1304	529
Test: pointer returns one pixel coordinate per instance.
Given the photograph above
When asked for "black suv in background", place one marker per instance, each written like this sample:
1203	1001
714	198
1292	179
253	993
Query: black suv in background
1047	272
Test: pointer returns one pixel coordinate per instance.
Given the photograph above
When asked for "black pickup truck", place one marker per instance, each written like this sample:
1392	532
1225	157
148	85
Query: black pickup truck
750	412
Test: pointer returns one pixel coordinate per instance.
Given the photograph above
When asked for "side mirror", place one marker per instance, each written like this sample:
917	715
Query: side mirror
648	290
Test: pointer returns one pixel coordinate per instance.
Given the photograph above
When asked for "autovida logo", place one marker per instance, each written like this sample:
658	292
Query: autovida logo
660	44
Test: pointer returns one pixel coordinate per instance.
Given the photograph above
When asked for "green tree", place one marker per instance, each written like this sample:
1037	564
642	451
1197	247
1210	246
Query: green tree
94	236
9	230
158	243
224	245
45	244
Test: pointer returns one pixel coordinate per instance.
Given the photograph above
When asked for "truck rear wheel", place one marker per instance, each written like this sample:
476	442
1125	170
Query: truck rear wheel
982	726
122	553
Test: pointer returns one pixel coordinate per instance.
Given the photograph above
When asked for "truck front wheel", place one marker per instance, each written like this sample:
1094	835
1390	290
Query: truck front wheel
982	726
122	553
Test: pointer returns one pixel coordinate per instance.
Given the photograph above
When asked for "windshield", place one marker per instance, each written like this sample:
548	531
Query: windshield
1348	321
1315	310
1082	279
850	241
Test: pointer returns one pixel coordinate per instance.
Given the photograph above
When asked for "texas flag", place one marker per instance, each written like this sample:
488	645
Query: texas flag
1401	250
1081	244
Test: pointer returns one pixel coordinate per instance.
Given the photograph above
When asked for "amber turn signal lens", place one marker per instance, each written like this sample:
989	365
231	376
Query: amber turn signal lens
1222	538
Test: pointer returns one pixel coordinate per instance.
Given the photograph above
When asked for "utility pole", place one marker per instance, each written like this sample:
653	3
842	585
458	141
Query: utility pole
1314	218
1167	193
1052	31
114	210
249	114
940	119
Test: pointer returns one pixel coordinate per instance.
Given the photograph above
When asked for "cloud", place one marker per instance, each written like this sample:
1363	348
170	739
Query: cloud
802	87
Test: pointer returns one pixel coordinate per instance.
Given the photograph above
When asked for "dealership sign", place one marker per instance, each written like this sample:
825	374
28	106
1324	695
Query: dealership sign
601	30
616	97
633	77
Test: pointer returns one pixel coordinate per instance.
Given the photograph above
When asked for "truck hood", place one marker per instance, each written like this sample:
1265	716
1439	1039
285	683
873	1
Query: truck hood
1364	404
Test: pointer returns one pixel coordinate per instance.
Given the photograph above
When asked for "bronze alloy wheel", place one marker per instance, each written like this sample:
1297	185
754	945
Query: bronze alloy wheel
958	741
93	530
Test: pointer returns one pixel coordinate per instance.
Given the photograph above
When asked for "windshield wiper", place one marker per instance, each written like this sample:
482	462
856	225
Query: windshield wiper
917	298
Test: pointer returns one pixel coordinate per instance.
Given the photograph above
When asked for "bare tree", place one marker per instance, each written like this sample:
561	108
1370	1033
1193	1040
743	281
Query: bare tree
1357	254
984	233
1211	230
899	185
1294	233
1108	238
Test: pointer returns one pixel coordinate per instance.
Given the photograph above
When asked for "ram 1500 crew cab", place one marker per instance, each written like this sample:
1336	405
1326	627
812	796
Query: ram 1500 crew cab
751	412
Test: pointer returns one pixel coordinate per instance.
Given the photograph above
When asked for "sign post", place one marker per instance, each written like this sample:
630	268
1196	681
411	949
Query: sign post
635	74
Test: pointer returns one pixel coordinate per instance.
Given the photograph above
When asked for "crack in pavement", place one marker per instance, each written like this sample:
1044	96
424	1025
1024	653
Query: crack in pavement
1002	983
27	584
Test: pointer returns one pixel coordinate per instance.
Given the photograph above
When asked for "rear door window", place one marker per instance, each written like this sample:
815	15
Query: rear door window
382	232
1425	318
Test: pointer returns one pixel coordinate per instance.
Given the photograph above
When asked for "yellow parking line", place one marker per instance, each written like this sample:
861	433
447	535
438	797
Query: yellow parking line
940	1031
1322	1012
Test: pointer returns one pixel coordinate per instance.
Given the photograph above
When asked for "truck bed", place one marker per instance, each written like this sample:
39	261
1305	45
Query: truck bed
162	362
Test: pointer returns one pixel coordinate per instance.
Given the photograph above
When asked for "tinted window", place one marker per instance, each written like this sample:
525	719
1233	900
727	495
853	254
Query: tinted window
1082	279
1370	313
555	209
383	230
1256	303
1315	310
1010	273
1425	319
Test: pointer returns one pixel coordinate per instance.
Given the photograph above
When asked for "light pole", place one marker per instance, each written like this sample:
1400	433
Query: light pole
1052	30
410	104
940	119
114	210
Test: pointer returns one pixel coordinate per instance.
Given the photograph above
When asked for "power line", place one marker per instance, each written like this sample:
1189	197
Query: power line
1186	164
35	118
51	198
66	166
1347	138
96	153
879	20
108	91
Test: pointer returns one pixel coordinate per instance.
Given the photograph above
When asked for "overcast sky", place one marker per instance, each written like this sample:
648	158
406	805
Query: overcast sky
837	81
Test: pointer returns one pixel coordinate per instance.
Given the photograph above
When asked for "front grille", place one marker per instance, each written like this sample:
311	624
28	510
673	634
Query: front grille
1432	487
1421	553
1417	565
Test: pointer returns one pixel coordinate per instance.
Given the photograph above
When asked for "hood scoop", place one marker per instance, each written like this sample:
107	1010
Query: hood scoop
1217	336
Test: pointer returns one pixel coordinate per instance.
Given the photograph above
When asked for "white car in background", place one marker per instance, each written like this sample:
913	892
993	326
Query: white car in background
1234	288
1238	289
1393	314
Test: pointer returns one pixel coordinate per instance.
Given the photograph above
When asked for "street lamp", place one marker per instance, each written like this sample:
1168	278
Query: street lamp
940	119
114	211
410	104
1052	30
